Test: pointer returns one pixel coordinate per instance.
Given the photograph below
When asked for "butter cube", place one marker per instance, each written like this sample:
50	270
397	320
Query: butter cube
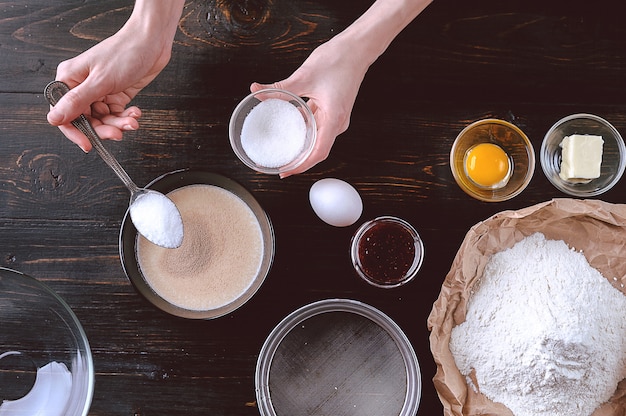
581	157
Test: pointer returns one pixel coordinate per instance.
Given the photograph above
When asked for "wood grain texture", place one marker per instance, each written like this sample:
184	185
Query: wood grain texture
529	62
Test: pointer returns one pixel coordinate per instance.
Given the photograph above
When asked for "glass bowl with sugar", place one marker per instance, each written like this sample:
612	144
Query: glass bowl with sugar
272	131
226	254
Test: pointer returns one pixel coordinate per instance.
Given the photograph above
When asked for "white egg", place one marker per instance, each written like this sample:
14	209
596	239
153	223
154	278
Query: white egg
336	202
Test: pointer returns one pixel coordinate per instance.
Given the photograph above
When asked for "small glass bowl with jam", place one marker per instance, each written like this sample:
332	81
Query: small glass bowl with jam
386	252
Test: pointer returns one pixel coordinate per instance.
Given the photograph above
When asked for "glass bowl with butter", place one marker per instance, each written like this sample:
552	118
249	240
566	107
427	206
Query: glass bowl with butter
583	155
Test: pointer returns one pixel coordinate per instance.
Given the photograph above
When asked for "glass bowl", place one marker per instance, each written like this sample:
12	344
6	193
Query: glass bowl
613	154
519	151
45	360
337	357
386	252
272	138
227	250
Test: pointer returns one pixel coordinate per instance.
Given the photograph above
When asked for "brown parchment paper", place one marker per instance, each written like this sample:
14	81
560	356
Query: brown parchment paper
596	228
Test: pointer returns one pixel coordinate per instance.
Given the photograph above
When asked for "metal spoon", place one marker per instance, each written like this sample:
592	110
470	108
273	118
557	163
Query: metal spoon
165	227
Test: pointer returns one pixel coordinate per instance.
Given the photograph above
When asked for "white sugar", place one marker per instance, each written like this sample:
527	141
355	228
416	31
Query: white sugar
273	133
156	217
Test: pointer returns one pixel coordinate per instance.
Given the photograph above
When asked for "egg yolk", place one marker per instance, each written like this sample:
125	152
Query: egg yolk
487	164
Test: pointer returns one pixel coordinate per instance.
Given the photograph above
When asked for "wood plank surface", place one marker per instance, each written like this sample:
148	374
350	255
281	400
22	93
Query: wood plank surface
528	62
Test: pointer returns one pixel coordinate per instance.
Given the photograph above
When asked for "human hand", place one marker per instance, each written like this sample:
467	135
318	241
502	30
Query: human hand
332	75
104	79
330	78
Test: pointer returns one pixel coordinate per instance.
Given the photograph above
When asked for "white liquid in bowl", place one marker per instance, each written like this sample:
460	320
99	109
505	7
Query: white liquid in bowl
219	258
49	395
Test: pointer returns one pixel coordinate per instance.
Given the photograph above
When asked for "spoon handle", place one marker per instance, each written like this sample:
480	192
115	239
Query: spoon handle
53	93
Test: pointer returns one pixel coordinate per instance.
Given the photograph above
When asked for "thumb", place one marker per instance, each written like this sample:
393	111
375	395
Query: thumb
281	85
76	102
256	86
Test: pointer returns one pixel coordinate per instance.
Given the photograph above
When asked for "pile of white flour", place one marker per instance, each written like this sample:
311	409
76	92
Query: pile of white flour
544	331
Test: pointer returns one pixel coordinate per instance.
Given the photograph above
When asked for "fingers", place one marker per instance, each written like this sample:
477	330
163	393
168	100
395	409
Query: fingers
255	86
324	142
327	130
124	121
133	111
283	85
317	156
108	127
76	137
107	124
118	124
106	131
76	102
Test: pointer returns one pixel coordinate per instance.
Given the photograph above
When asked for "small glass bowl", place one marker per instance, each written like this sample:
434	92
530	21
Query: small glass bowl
386	252
244	108
129	241
41	338
613	154
512	140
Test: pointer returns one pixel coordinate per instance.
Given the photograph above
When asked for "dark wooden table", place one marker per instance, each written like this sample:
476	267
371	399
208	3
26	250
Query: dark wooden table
529	62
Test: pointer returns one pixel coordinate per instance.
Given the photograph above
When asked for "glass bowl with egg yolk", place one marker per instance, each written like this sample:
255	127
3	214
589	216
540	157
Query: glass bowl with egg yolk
492	160
487	165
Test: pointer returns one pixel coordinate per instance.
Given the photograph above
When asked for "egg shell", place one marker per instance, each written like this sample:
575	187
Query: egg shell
335	202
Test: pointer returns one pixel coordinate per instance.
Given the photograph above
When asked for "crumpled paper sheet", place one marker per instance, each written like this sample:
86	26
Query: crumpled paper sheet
596	228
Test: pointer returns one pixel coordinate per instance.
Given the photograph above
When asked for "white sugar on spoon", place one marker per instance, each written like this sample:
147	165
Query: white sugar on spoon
158	218
154	215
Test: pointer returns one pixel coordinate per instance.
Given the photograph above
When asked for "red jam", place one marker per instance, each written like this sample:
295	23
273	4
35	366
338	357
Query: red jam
386	252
